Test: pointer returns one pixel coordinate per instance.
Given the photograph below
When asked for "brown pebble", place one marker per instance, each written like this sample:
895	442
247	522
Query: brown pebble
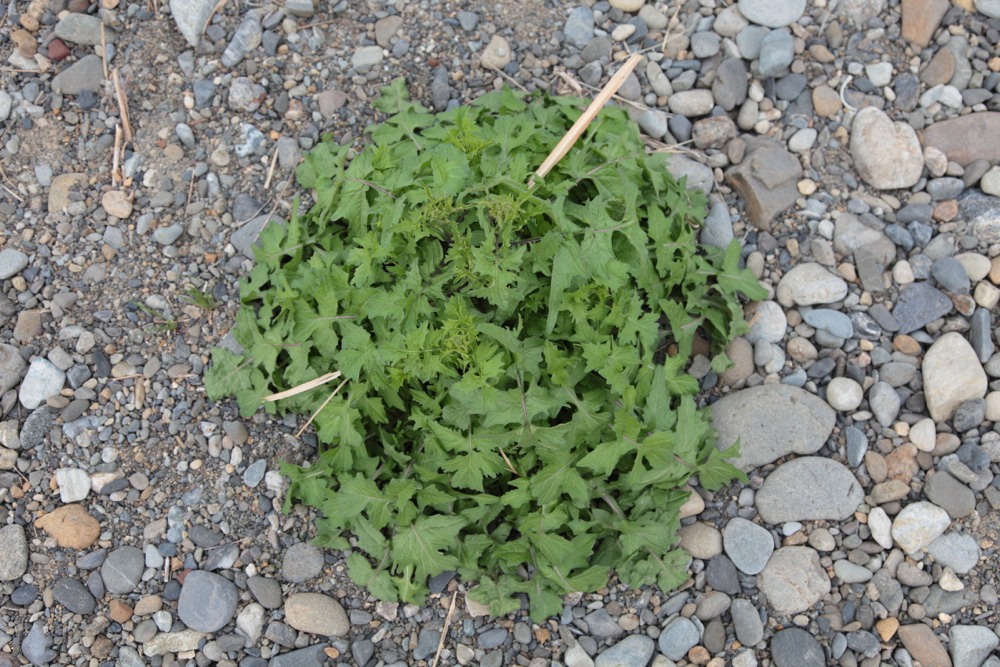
901	463
119	611
877	468
29	22
78	6
58	50
26	43
699	655
947	210
906	344
994	273
71	525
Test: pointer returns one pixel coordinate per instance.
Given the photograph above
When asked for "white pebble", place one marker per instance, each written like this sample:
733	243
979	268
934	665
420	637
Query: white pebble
844	394
923	435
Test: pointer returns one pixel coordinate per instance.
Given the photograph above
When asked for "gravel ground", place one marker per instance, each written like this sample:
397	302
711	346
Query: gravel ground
853	148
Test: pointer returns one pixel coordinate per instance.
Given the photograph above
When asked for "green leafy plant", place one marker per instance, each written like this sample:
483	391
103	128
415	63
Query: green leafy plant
510	410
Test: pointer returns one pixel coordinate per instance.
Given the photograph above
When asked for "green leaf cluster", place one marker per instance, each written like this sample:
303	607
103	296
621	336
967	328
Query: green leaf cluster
510	410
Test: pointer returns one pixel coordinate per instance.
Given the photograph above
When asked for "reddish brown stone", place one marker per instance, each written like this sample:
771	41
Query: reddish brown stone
58	50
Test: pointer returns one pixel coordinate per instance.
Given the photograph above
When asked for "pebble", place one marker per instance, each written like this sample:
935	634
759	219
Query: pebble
192	17
73	483
808	284
42	381
884	402
317	614
880	526
793	580
886	153
957	551
772	14
923	645
579	27
12	367
247	37
633	651
73	595
85	74
13	552
172	642
917	525
77	28
953	496
772	421
969	645
746	622
302	562
497	54
952	375
692	103
748	545
777	50
71	526
207	601
122	570
677	638
35	645
701	540
12	262
844	394
794	647
809	488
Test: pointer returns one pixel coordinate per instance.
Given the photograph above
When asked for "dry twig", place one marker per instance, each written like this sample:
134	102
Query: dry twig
304	387
123	106
444	632
581	124
320	408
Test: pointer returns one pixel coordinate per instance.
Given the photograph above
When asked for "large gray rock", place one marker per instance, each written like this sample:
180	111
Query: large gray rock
793	580
207	601
772	13
887	153
809	284
952	375
767	180
12	367
971	644
13	552
772	421
85	74
807	489
192	17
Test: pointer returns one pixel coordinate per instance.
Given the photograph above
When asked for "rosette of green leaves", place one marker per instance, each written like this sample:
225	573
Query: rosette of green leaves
510	411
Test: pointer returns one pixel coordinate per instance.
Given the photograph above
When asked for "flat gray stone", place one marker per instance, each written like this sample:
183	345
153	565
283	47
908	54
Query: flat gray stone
793	580
172	642
207	601
887	153
772	13
122	570
678	637
971	644
12	367
192	17
317	614
959	551
952	375
917	525
302	562
42	381
807	489
772	421
766	180
11	262
794	647
13	552
919	304
85	74
633	651
809	284
748	545
303	657
746	622
698	176
951	495
73	595
245	239
84	29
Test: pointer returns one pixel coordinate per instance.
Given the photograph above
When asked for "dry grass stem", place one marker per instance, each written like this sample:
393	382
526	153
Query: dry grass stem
444	631
581	124
270	169
329	398
304	387
123	106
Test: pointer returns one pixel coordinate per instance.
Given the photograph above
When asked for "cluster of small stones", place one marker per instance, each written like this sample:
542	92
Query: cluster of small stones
853	148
